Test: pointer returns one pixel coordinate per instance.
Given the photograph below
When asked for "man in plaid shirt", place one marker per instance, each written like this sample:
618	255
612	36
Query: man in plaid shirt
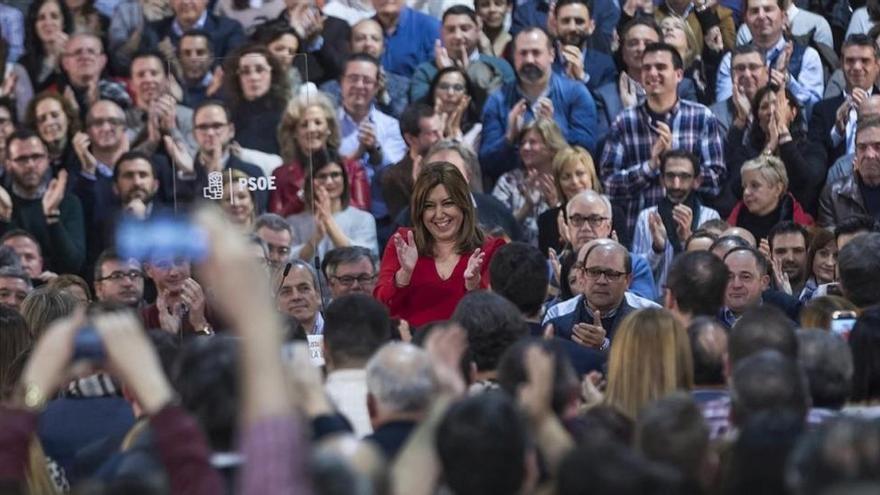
630	164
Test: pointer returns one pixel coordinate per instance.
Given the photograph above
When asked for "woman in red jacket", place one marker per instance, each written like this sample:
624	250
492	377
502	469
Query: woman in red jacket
426	270
309	126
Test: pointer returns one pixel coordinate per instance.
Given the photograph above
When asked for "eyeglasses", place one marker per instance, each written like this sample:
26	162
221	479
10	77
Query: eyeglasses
454	88
117	276
213	126
594	273
328	175
357	78
577	221
749	67
349	280
25	159
112	122
256	69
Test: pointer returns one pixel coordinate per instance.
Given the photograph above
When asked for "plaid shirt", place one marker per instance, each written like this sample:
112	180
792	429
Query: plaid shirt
625	166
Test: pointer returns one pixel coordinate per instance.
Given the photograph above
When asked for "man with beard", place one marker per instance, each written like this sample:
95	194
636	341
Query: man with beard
662	230
788	252
857	193
196	56
54	218
459	46
117	280
630	164
576	55
537	93
83	62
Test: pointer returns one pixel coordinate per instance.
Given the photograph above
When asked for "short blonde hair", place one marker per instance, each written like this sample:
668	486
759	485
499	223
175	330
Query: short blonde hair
549	132
771	169
290	121
650	358
687	58
566	157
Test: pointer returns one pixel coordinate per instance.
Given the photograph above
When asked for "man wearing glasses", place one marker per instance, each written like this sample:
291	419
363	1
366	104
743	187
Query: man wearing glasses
277	236
350	270
589	217
118	281
83	62
604	271
662	230
54	218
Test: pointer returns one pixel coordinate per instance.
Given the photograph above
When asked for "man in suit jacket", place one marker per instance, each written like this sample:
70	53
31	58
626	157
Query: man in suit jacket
833	122
226	34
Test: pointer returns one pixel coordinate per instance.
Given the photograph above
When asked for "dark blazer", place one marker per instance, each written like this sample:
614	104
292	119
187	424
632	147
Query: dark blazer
822	153
397	185
325	63
226	34
390	437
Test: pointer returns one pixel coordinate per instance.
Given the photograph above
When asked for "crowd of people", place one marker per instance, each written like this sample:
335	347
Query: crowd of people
440	246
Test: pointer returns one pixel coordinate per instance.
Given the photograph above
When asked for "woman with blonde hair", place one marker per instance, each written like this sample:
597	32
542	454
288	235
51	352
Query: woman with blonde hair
700	68
573	172
529	190
766	199
650	358
308	127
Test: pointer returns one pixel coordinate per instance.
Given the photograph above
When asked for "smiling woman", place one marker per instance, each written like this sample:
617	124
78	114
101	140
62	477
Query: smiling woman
426	270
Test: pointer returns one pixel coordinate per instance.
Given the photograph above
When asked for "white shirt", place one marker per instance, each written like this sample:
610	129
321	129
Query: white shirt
347	390
387	135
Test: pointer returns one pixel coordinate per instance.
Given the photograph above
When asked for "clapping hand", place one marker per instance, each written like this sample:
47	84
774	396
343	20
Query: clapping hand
473	271
54	195
658	232
515	120
407	255
661	144
683	216
574	62
5	205
81	145
589	335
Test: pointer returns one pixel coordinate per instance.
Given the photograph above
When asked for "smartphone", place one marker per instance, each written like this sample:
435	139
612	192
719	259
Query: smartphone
842	322
161	238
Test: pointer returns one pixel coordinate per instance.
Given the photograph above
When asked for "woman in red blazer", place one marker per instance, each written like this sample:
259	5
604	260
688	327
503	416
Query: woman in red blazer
426	270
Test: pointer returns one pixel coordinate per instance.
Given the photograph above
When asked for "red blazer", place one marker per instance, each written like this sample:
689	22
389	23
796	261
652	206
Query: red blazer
290	180
427	298
799	216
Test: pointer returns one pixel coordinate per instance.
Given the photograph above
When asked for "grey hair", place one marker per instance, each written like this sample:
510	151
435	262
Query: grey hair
274	222
591	195
475	174
400	377
348	254
12	271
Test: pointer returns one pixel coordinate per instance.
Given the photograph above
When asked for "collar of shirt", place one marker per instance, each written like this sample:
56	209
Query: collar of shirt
200	24
37	195
345	118
792	11
319	324
605	314
773	52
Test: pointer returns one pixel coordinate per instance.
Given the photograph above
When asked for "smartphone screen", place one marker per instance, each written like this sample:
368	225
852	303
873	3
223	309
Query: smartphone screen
842	326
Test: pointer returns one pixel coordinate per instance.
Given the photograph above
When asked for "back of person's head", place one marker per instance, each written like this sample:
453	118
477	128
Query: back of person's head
355	326
603	423
840	452
400	378
15	338
611	468
757	459
206	378
44	305
760	328
767	381
817	312
8	258
698	280
854	224
828	364
483	444
709	347
492	324
345	465
664	365
672	431
858	264
518	272
864	343
512	372
727	243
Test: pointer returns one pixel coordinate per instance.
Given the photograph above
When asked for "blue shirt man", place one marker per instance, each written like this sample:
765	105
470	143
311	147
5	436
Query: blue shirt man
409	36
577	54
537	93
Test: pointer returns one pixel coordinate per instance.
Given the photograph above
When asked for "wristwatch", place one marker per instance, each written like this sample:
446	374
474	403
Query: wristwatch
206	330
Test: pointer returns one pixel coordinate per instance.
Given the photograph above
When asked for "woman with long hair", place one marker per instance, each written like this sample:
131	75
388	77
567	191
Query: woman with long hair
308	128
46	28
650	357
821	262
459	104
56	121
427	269
257	89
329	221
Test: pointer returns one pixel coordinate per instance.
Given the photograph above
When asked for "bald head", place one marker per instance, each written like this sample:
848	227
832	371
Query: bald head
367	37
870	107
742	234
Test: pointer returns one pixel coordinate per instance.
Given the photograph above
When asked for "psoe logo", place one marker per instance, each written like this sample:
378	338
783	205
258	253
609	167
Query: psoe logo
214	190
